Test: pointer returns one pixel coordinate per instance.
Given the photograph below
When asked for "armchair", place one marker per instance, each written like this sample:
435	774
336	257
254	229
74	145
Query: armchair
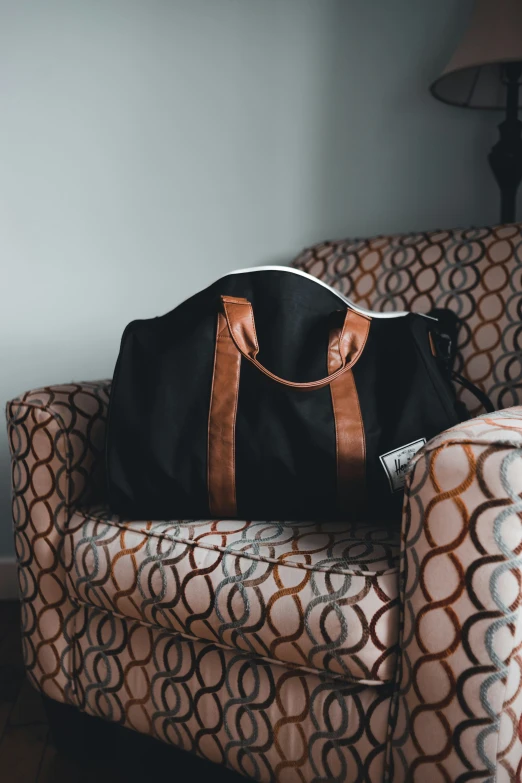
303	652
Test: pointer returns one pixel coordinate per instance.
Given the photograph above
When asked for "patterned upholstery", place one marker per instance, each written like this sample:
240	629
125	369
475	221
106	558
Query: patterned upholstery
477	273
269	722
56	437
299	652
314	596
460	674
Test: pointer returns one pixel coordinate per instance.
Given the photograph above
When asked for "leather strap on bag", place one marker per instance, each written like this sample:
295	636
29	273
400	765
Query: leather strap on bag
349	428
240	319
235	338
221	461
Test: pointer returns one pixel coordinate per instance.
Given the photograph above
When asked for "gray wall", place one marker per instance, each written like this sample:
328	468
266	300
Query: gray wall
146	146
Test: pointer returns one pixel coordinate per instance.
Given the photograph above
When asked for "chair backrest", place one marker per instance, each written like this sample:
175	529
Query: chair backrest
475	272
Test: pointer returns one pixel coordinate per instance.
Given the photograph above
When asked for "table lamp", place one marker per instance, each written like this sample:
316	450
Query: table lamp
485	72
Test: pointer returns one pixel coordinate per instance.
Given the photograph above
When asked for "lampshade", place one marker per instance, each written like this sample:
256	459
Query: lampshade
473	76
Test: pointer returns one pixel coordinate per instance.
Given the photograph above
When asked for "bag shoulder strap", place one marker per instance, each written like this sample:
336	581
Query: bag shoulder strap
445	340
481	396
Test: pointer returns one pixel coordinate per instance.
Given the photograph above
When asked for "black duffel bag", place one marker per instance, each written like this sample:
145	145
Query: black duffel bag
268	396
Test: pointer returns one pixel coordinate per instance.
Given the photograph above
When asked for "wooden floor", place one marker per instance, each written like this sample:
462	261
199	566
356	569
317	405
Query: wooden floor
27	753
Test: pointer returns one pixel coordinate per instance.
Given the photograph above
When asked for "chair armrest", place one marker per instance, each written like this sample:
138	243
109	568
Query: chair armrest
56	436
63	429
459	697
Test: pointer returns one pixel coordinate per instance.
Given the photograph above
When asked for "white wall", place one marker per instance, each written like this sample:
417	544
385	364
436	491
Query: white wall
146	146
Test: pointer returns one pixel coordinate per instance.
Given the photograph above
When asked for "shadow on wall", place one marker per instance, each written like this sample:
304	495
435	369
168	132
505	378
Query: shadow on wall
391	157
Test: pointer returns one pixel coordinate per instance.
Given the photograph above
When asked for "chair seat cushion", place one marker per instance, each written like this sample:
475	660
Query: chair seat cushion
316	596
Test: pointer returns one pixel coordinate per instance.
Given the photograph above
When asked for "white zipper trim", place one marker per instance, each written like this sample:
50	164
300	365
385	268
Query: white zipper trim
348	302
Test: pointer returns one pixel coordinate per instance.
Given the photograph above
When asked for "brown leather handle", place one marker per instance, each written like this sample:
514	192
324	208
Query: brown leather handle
348	341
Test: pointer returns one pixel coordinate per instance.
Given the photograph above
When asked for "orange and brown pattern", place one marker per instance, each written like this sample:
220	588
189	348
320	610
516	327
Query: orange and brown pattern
266	721
476	272
56	437
309	595
459	699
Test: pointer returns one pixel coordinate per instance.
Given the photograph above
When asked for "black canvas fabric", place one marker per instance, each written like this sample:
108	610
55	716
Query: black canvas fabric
285	439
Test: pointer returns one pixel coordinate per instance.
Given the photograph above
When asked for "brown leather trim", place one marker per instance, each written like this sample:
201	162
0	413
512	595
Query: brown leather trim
221	464
240	319
349	428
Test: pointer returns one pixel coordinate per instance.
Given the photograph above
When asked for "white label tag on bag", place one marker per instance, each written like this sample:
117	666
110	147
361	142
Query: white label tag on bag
396	462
